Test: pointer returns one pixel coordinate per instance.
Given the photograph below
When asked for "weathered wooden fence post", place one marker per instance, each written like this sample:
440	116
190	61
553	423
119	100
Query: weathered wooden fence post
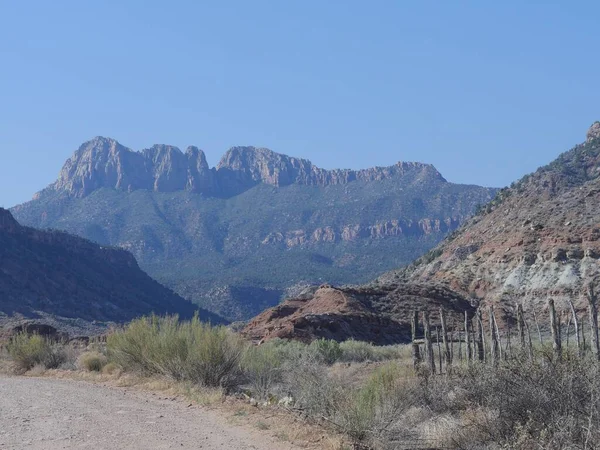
583	343
593	309
493	337
468	337
556	343
529	343
428	342
537	324
439	347
576	323
480	337
447	354
414	325
521	327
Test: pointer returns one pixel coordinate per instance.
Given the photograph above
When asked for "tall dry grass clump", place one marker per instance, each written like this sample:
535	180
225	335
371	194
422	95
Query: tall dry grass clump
188	351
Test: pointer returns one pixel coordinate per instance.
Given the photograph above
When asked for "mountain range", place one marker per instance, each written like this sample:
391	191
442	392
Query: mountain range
260	225
537	239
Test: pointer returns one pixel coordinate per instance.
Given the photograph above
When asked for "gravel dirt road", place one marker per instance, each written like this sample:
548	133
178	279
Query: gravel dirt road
42	413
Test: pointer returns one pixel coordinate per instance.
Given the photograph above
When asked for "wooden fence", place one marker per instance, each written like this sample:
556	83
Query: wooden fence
480	338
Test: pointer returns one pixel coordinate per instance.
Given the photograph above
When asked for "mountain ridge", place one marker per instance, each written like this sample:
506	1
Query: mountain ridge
104	162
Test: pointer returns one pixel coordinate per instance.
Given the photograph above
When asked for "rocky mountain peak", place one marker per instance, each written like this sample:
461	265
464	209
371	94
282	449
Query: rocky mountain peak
593	131
104	163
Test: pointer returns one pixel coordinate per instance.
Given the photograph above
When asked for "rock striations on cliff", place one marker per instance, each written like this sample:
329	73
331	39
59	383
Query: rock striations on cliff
237	237
52	273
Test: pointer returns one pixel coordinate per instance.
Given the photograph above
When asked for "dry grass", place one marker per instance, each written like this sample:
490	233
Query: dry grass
92	361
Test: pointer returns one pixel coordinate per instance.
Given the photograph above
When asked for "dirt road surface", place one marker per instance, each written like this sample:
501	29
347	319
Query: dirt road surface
41	413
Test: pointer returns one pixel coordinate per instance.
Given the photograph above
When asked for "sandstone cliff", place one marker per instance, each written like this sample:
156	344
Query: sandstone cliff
103	162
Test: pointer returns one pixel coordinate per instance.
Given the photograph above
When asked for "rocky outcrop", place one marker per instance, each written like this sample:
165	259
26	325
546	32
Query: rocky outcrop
103	162
593	132
351	233
372	314
51	272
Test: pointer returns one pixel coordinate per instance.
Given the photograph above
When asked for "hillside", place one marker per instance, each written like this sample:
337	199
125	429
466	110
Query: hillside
53	274
537	239
259	225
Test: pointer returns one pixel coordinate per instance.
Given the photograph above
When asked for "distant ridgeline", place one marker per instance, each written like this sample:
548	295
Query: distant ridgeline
259	225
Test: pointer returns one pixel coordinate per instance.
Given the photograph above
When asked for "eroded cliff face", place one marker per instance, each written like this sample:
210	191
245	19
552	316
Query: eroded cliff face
103	162
354	232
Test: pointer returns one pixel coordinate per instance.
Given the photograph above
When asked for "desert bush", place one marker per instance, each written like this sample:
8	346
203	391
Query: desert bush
359	351
111	368
522	403
28	351
364	413
92	361
263	368
191	351
326	350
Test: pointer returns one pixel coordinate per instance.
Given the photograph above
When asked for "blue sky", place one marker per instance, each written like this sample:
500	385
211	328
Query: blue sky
485	91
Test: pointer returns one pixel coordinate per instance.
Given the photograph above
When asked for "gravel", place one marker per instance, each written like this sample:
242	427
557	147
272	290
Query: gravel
40	413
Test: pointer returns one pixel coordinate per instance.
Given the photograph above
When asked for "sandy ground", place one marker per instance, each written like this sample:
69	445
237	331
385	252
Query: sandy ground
41	413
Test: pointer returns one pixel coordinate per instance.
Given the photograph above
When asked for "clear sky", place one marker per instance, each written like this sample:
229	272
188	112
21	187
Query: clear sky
486	91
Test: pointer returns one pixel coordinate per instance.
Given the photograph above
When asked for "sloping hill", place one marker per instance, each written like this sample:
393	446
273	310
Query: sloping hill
53	273
237	237
537	239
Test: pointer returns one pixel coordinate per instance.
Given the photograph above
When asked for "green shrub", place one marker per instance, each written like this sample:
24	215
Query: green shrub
358	351
92	361
328	351
262	366
191	351
28	351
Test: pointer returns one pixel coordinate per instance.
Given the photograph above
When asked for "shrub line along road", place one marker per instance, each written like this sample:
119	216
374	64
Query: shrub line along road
41	413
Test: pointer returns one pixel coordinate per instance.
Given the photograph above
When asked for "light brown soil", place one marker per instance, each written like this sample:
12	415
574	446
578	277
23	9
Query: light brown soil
42	413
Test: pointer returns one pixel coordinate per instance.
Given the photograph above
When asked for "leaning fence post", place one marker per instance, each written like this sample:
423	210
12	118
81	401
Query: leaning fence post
493	337
575	321
416	353
556	343
428	342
